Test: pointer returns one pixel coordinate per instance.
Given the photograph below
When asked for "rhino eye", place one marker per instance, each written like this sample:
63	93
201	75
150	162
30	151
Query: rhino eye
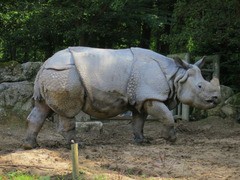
200	86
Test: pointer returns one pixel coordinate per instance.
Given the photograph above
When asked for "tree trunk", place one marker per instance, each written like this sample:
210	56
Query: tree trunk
146	36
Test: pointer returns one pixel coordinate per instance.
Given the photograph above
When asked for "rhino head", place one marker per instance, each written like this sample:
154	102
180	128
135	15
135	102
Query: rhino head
194	90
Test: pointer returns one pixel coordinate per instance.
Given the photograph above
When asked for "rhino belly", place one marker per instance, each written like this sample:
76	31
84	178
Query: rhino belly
105	104
62	90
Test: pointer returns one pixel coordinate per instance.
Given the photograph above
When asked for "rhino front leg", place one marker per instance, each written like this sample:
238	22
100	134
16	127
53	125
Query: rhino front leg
137	126
35	122
159	110
67	128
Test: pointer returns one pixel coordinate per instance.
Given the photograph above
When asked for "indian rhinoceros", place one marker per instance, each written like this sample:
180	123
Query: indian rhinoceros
105	82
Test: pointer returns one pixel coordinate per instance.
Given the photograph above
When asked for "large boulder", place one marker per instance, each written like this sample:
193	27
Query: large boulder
14	72
15	97
232	107
16	88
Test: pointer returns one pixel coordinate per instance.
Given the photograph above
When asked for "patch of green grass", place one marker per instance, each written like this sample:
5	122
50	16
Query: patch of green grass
17	175
100	177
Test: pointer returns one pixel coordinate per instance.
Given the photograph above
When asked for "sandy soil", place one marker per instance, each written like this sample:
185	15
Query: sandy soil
206	149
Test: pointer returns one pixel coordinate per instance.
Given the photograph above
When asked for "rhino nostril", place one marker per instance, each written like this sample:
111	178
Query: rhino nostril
214	97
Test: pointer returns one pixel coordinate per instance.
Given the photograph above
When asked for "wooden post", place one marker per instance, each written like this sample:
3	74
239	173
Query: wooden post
185	108
216	64
185	112
182	110
74	152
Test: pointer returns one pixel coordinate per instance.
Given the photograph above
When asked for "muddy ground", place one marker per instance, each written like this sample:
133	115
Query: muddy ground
206	149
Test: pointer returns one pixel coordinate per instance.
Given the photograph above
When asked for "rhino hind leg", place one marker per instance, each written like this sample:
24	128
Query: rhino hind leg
137	126
35	122
67	129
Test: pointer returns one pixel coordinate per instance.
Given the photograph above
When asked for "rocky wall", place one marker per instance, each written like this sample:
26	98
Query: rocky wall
16	88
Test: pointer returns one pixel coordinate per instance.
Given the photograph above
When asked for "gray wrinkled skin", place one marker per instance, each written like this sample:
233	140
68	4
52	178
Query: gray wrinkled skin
104	83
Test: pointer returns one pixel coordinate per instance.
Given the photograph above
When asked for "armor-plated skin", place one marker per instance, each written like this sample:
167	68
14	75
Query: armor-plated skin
104	83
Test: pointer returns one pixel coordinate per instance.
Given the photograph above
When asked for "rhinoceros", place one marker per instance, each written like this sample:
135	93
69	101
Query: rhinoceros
106	82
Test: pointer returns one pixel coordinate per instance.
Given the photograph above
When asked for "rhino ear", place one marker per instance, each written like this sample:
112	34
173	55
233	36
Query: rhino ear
181	63
201	62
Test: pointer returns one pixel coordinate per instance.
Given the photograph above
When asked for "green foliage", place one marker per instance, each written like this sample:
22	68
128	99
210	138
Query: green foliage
205	26
34	30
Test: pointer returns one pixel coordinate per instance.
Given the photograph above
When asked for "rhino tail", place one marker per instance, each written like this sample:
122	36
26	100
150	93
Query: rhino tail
37	96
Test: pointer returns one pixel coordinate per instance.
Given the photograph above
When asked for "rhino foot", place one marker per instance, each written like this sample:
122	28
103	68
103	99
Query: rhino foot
30	141
29	145
170	134
141	141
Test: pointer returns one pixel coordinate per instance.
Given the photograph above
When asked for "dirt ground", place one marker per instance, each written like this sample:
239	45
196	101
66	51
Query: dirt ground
206	149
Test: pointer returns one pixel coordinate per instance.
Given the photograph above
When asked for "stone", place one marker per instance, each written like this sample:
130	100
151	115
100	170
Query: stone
13	93
229	110
3	113
16	88
217	111
13	71
234	100
82	117
233	106
226	92
91	126
16	97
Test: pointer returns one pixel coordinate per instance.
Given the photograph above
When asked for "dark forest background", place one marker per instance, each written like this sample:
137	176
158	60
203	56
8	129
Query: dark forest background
34	30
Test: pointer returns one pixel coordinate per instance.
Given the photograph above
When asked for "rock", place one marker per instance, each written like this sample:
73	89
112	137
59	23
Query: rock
16	97
82	117
234	100
3	113
16	88
12	71
14	93
226	92
198	114
30	70
229	111
232	107
91	126
217	111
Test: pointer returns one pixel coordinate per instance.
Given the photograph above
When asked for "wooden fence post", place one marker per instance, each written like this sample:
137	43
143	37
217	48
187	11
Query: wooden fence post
185	108
74	152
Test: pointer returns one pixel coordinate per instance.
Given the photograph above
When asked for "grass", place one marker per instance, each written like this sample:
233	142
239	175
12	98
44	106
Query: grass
100	177
17	175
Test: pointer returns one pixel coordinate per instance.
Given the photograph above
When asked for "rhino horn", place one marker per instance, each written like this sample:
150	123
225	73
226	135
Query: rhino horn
215	81
201	62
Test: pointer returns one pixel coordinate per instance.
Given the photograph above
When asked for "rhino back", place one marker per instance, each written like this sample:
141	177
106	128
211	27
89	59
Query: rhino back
103	69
